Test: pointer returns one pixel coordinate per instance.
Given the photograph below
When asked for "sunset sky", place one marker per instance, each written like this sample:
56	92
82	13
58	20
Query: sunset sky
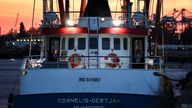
10	8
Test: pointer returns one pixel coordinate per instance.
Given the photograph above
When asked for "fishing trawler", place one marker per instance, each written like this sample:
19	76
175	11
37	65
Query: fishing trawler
96	61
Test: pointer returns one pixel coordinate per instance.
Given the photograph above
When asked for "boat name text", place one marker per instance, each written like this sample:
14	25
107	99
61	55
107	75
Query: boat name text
89	79
89	100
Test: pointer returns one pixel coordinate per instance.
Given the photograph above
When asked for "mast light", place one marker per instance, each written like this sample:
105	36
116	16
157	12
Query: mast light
70	23
116	23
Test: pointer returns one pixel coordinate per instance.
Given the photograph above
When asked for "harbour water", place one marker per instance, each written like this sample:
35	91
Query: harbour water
9	79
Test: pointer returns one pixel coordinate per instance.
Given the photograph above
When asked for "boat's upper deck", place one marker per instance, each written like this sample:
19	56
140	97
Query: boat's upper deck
95	36
95	14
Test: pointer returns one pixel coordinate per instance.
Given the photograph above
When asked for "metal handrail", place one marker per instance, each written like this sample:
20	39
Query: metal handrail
157	61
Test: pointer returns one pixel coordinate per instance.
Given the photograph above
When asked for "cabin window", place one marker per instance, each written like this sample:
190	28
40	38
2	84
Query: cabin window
63	43
93	43
125	44
117	43
71	43
81	43
105	43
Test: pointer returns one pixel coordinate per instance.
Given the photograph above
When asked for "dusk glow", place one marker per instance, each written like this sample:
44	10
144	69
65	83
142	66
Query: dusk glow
10	8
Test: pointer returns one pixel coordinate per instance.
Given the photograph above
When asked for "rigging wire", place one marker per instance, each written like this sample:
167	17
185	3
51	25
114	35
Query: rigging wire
163	36
33	15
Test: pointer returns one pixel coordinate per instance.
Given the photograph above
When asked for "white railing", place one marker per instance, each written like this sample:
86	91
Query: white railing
96	62
52	19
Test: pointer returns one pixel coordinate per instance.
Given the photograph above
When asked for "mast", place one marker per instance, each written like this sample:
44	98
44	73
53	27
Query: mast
82	8
157	24
67	9
147	2
62	12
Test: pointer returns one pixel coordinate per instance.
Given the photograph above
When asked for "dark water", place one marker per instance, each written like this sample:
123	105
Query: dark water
9	79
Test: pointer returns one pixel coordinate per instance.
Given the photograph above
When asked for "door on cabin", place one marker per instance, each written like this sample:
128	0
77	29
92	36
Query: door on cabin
53	50
138	52
93	52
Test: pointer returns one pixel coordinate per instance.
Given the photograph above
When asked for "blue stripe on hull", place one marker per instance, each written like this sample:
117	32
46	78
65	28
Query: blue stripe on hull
88	100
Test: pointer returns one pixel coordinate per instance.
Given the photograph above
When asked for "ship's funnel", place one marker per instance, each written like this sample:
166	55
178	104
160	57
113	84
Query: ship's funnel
97	8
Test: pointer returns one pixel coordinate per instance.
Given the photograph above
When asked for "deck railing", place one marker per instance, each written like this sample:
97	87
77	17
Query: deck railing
136	19
95	62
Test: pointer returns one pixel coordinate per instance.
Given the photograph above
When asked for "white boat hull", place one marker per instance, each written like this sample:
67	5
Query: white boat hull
59	80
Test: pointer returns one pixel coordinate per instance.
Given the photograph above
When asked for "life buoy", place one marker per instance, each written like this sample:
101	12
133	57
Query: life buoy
75	60
115	60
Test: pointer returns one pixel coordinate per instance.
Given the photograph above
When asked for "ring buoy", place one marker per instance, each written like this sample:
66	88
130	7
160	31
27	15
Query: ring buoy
115	60
75	60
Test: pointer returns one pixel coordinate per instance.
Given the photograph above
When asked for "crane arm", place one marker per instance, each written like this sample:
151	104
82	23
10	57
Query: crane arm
16	21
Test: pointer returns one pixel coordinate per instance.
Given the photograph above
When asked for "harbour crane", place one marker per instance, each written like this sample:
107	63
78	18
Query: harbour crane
177	20
16	21
14	29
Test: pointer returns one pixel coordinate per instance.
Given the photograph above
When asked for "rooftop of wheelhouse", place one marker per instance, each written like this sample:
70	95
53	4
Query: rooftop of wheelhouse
57	14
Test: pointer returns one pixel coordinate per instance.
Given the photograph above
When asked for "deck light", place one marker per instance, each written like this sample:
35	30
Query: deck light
102	19
70	22
116	23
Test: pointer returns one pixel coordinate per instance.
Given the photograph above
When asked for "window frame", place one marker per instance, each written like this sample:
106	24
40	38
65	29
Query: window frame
114	44
71	44
104	45
78	45
125	43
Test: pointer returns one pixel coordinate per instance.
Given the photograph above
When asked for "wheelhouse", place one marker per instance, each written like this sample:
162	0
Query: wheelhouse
96	40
